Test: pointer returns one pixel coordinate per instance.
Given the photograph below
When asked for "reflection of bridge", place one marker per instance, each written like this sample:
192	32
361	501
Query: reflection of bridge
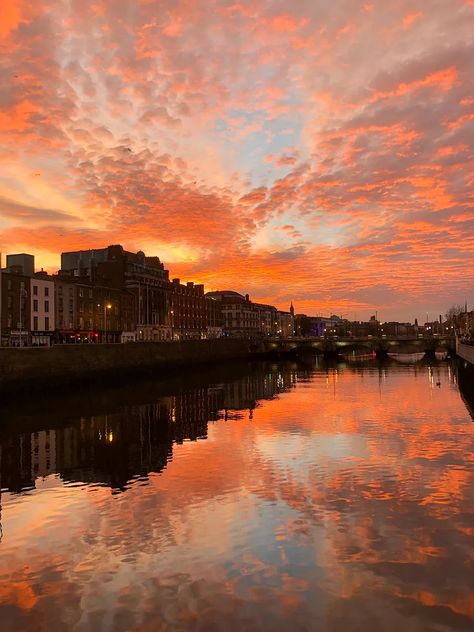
371	344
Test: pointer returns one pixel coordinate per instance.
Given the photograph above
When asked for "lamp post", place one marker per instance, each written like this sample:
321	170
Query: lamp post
22	295
106	307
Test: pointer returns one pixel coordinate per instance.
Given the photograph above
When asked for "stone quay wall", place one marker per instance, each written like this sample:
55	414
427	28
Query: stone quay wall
466	352
67	363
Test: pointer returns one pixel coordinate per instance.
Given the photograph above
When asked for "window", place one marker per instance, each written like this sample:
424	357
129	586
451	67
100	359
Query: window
81	292
35	323
46	306
9	321
35	305
10	302
60	303
81	307
9	284
46	323
90	293
46	291
35	290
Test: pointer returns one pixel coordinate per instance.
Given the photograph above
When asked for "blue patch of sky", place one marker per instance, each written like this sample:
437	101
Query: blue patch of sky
274	137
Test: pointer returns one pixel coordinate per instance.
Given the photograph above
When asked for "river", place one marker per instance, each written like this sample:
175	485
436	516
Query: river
264	496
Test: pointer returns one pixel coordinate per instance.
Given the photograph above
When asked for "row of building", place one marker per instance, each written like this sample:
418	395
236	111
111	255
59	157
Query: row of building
112	295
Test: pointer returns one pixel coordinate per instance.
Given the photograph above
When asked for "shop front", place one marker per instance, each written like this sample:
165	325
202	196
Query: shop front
41	338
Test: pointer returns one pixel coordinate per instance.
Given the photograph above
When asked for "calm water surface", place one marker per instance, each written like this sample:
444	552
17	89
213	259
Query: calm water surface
264	497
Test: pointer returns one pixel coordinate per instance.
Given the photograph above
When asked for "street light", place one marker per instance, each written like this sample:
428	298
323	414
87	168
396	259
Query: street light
23	294
106	307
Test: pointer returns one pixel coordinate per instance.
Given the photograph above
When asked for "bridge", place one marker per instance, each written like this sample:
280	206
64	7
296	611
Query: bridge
381	346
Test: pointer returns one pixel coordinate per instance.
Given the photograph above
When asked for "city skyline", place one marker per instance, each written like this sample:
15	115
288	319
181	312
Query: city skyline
312	153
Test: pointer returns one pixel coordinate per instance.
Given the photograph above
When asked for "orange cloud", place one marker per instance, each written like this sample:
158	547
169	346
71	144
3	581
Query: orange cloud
10	16
444	79
411	18
202	144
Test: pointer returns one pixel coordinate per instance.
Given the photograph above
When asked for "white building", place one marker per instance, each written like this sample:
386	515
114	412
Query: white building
42	310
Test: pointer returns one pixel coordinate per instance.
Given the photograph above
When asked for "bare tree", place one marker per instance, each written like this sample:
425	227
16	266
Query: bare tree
455	316
454	312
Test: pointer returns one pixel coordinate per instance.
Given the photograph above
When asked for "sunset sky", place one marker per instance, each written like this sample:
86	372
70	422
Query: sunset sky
313	151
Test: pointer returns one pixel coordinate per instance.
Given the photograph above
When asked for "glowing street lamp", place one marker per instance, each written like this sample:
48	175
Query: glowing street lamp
107	306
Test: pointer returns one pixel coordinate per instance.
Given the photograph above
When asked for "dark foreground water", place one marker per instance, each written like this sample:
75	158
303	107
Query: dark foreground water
265	497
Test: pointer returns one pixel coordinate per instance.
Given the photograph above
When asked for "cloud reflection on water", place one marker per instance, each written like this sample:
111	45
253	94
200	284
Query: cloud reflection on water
334	498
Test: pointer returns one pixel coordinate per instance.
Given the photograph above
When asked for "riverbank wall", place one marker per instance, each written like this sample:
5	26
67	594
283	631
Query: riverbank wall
38	366
466	352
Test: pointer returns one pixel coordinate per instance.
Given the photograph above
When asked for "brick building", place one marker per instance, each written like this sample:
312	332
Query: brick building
243	318
15	309
149	306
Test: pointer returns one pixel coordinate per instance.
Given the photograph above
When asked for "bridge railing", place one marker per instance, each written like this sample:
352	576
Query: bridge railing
360	338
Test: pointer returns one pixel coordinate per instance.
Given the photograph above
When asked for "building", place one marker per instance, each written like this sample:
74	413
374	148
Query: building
138	297
42	305
214	327
65	309
88	312
242	318
24	261
15	312
268	319
286	324
193	315
27	303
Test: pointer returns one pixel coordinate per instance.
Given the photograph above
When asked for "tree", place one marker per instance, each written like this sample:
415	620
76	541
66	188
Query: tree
454	315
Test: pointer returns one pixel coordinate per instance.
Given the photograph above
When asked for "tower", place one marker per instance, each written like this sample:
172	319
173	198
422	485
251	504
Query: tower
292	309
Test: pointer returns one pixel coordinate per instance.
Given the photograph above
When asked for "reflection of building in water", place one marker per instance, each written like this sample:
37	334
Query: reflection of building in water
245	393
189	414
113	449
16	471
43	453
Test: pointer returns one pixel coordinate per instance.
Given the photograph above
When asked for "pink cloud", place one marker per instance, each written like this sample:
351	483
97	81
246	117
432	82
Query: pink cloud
200	127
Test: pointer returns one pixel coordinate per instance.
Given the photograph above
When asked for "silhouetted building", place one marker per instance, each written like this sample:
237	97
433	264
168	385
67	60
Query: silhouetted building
15	307
24	261
160	309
